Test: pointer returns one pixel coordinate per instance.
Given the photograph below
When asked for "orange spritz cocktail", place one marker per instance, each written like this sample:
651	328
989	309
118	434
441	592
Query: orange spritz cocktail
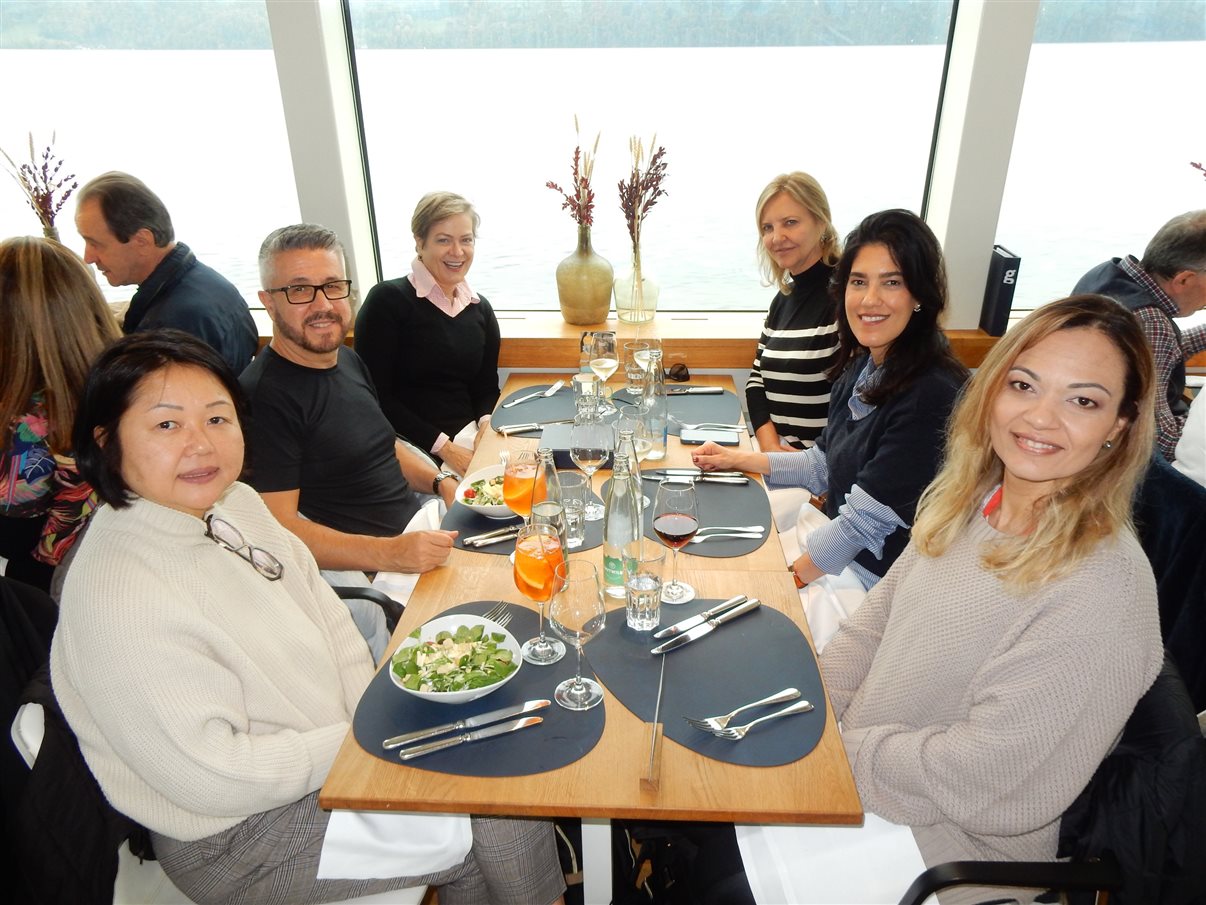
536	559
537	555
521	490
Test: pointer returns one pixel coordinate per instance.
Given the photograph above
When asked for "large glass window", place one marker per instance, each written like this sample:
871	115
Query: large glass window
480	98
183	95
1111	118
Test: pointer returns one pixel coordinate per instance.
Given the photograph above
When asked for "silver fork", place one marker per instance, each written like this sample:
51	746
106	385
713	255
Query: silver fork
747	535
499	613
737	733
716	723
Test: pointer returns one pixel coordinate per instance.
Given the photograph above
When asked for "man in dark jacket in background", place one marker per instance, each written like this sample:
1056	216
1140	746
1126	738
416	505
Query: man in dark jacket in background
128	235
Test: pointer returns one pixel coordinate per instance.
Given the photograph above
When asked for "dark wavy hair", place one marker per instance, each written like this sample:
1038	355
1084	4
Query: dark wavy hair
922	344
110	389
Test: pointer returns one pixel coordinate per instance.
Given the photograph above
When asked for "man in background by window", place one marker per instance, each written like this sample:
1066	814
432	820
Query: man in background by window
128	235
1169	282
323	455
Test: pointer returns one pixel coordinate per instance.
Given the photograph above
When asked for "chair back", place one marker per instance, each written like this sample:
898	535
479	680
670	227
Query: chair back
1170	518
1146	804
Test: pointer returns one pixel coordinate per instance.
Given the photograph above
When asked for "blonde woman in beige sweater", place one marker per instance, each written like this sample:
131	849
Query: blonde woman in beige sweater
985	678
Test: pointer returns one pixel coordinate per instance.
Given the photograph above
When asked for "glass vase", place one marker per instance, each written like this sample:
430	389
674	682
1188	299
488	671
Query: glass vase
636	296
584	282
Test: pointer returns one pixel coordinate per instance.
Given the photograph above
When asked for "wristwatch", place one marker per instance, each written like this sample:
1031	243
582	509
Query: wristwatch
440	475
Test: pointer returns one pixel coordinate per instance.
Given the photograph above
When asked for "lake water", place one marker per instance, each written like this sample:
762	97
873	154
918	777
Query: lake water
1101	157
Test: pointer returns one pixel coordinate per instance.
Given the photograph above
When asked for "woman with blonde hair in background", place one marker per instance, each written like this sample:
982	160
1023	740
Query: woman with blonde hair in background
54	322
983	680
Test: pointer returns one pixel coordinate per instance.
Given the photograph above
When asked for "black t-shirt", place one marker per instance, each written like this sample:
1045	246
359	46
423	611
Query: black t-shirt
322	432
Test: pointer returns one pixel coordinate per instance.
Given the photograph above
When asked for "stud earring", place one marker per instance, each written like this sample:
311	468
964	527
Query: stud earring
916	307
1109	444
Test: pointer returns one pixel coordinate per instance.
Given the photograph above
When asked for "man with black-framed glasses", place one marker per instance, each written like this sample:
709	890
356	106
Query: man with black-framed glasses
323	455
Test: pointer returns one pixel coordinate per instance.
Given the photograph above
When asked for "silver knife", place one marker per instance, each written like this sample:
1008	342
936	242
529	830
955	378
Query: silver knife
679	627
530	426
695	473
492	537
488	732
482	719
694	391
707	627
708	478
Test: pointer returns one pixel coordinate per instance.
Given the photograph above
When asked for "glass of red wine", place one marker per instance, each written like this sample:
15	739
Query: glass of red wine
676	519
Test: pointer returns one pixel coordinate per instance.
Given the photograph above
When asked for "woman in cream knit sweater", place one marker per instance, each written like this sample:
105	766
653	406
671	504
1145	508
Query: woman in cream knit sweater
209	672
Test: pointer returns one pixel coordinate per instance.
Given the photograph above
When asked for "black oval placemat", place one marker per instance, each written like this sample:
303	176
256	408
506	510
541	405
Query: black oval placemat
540	409
719	504
386	710
749	658
723	408
470	524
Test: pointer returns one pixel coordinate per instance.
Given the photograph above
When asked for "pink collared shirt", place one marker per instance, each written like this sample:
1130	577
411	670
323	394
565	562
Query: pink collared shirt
426	287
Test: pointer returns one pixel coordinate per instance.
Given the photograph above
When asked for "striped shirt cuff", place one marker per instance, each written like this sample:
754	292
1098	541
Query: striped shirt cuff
862	523
808	469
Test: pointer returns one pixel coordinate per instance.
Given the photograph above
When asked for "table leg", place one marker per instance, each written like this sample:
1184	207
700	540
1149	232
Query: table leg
596	860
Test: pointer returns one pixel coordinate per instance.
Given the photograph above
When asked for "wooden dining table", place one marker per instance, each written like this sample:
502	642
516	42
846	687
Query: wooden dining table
607	781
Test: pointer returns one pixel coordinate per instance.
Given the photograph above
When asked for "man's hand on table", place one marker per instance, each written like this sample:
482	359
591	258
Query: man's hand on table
420	551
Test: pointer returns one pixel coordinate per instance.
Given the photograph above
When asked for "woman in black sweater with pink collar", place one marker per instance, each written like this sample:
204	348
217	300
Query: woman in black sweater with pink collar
431	342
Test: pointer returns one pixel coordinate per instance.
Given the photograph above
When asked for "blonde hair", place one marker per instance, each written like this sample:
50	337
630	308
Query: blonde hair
1071	521
436	206
808	193
54	322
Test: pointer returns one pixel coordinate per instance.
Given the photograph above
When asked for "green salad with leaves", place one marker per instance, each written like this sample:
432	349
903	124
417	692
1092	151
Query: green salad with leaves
454	661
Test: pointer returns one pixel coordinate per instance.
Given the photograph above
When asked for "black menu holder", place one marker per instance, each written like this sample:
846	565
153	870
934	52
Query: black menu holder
998	293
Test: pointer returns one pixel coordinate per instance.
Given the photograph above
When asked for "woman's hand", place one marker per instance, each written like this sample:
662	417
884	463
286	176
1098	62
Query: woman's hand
714	457
770	441
456	457
805	570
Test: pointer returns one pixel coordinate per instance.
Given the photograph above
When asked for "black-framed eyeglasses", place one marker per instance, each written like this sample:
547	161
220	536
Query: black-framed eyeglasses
304	293
224	534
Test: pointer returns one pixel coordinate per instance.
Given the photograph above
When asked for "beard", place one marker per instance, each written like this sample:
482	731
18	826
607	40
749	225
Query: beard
318	344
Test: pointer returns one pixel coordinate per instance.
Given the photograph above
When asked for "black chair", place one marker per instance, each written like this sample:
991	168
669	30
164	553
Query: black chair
1137	831
1170	518
392	609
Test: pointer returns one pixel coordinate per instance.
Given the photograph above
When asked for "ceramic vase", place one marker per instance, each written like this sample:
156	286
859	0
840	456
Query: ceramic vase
584	283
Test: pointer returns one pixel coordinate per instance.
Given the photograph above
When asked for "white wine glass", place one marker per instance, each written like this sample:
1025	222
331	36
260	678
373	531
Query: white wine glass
676	521
604	360
590	442
577	614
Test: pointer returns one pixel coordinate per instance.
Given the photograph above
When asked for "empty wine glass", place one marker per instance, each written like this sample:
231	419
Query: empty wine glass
676	520
577	615
538	553
603	361
590	442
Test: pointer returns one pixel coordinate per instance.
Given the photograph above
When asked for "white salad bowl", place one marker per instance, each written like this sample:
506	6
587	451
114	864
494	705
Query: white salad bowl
490	471
451	623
